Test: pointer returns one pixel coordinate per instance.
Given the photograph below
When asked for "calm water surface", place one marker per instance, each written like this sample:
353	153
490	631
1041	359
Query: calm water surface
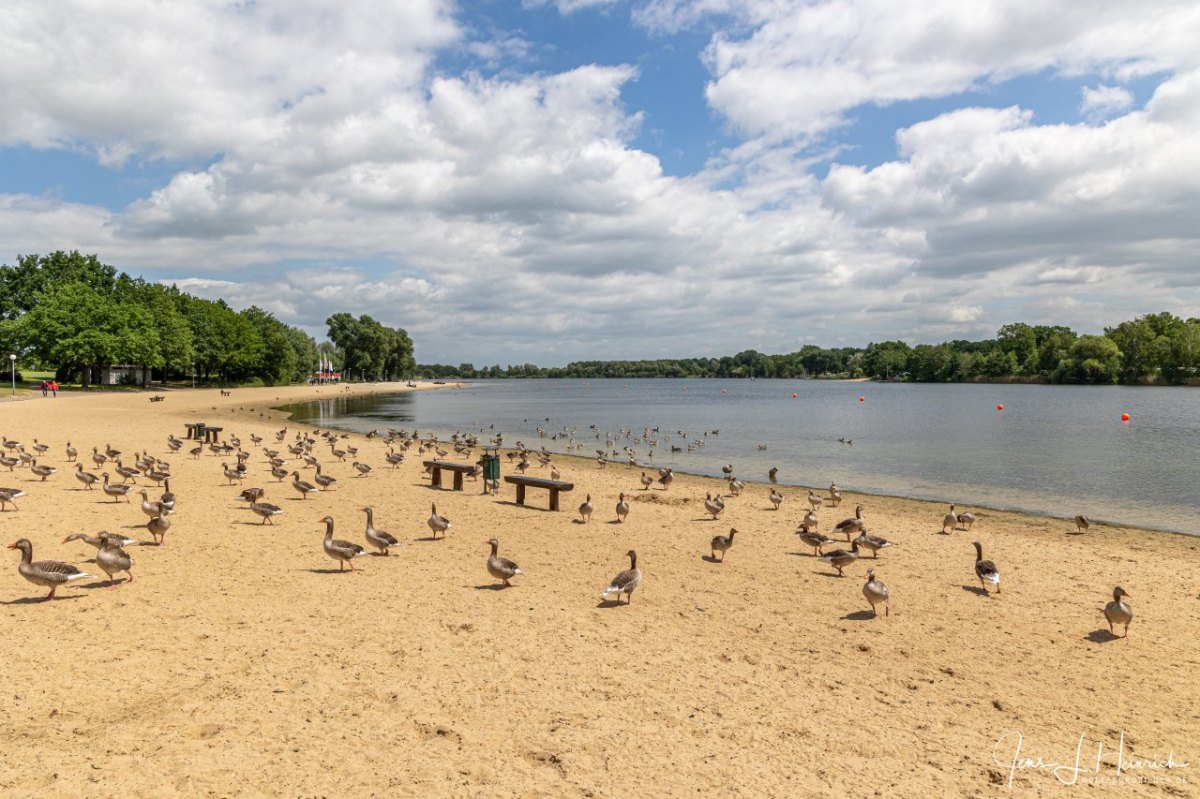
1056	450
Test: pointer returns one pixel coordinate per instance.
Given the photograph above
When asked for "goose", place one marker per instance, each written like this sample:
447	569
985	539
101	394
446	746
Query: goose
773	474
127	473
167	500
340	454
776	498
735	488
11	443
8	496
1082	523
50	573
966	519
40	449
362	468
378	538
24	457
196	451
835	495
98	458
158	527
585	510
501	568
112	559
722	543
149	508
115	491
840	558
814	500
342	551
232	475
1118	611
555	474
728	471
985	570
622	508
72	453
97	542
266	510
251	495
87	478
809	522
625	582
876	593
950	520
713	506
279	473
873	543
814	540
110	452
855	525
9	462
647	481
438	524
174	444
304	488
666	476
42	471
157	475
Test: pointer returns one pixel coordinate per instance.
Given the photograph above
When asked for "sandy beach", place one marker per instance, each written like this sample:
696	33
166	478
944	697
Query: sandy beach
241	663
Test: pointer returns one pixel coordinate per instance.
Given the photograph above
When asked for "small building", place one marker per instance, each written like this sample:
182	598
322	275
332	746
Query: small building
122	374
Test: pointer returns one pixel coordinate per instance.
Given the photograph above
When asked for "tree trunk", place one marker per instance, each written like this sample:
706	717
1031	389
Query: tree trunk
86	379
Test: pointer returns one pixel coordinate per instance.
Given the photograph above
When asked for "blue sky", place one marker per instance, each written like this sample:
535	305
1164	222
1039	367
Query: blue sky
597	178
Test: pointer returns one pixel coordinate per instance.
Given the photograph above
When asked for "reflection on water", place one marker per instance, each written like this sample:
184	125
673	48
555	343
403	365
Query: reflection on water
1057	450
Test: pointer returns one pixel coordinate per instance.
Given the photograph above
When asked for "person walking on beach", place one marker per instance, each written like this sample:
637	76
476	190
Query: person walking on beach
44	387
54	388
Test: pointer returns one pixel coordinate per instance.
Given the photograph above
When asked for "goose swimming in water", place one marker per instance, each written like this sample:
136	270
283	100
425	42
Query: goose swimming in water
501	568
876	593
985	570
626	582
1118	611
46	573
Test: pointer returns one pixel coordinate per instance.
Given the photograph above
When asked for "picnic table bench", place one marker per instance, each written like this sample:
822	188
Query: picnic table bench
459	469
199	430
522	482
157	398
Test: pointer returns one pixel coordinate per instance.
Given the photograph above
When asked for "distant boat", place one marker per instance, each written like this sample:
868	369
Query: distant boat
439	382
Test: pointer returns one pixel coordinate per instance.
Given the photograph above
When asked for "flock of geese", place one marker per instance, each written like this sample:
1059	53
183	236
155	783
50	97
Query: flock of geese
112	559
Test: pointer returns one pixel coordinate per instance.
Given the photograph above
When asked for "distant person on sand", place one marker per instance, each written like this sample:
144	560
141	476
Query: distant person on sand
44	387
54	387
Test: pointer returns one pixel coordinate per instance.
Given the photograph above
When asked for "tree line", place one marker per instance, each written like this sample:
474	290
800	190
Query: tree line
1155	348
73	314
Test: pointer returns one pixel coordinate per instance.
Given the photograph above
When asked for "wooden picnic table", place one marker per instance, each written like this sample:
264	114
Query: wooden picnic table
554	486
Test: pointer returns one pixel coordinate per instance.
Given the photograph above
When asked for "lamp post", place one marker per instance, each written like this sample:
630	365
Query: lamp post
12	366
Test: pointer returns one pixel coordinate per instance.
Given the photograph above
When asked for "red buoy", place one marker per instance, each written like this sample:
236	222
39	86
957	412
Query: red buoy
999	407
1124	417
862	399
795	395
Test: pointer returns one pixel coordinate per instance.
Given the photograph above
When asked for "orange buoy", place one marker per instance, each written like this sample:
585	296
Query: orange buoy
724	391
999	407
862	399
1124	417
795	395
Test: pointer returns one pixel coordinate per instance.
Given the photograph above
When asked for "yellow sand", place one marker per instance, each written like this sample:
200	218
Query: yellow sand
238	663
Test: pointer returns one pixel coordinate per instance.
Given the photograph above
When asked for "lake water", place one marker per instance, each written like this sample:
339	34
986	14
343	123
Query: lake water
1057	450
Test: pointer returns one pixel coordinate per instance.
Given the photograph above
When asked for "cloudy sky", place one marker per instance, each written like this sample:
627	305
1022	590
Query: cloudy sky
570	179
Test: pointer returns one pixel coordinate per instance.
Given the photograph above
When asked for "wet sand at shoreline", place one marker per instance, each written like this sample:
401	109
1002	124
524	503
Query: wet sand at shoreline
240	662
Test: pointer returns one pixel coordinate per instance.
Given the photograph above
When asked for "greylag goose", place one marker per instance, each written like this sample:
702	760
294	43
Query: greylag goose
167	500
713	506
127	473
876	593
622	508
98	458
42	471
950	520
966	519
1118	611
304	488
232	475
97	541
722	543
1082	523
196	451
10	443
342	551
438	524
9	462
251	495
51	573
585	510
776	498
378	538
840	558
363	469
278	472
265	509
666	477
116	491
110	452
626	582
501	568
855	525
158	527
835	495
873	543
87	478
9	496
555	474
72	453
323	480
814	540
985	570
39	448
773	474
149	507
647	481
112	559
810	521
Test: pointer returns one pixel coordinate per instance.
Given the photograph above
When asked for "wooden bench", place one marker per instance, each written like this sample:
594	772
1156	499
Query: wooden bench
522	482
459	469
157	398
212	434
195	430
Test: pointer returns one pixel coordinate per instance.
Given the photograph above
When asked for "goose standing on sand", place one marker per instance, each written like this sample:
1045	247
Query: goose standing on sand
112	559
249	494
42	471
809	522
278	472
167	500
323	480
626	582
666	477
501	568
1118	611
966	519
815	500
72	453
873	543
363	469
585	510
840	558
713	506
46	573
126	472
9	496
87	478
647	481
950	520
985	570
876	593
266	510
622	508
98	542
438	524
158	527
232	475
814	540
304	488
150	508
116	491
342	551
722	543
1082	523
855	525
97	457
378	538
835	495
776	498
39	448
